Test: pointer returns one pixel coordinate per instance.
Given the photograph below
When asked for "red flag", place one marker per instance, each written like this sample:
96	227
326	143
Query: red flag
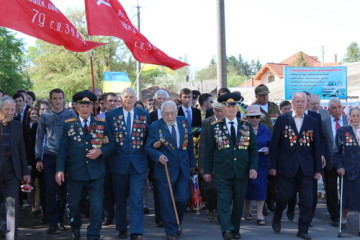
41	19
108	18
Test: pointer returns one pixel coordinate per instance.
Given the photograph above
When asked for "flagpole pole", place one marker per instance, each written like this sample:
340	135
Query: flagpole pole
92	77
138	65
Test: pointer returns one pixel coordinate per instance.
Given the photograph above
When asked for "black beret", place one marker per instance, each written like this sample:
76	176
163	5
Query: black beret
229	98
86	97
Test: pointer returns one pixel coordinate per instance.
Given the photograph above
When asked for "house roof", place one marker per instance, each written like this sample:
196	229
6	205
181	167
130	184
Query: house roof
276	68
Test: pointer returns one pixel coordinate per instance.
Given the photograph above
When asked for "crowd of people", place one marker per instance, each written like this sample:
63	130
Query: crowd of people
99	155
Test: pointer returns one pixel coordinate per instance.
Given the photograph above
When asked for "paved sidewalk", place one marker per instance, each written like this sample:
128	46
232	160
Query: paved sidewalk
197	227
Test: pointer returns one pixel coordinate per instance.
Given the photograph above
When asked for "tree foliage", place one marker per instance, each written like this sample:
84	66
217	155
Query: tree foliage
11	63
352	53
300	61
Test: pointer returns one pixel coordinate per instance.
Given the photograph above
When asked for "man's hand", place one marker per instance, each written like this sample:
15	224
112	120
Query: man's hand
317	175
39	166
323	162
207	177
94	153
252	174
341	171
163	159
272	172
59	177
157	144
27	179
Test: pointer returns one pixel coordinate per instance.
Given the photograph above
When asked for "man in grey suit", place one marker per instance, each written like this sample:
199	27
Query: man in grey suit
330	125
208	189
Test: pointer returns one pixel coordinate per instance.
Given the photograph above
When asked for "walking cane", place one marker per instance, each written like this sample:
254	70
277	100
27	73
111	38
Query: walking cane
341	199
172	198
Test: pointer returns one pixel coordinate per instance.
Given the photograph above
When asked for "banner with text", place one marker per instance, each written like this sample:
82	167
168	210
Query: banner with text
42	19
327	82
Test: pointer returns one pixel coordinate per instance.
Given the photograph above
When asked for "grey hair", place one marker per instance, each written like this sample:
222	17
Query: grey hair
168	103
298	93
162	92
353	109
6	99
129	90
334	100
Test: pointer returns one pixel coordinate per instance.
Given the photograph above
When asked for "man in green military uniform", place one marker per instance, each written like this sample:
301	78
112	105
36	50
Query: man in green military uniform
232	158
84	143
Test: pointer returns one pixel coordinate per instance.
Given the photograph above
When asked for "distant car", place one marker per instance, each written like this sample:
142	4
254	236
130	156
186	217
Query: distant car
333	89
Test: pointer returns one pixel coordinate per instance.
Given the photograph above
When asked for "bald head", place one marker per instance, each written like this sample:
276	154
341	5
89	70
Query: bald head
314	103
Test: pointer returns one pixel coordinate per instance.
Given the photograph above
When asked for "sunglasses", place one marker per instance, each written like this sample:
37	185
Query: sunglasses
252	117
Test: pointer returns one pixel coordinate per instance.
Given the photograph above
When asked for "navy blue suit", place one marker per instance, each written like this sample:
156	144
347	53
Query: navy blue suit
296	157
181	160
128	165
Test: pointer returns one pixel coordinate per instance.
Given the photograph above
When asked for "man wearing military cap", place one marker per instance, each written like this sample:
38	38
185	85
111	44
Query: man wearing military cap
231	157
84	143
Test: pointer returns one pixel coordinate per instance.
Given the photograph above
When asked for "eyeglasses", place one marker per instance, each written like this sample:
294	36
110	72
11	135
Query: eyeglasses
252	117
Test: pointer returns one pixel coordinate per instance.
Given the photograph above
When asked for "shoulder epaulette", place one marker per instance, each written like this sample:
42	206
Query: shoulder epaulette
70	120
218	121
99	119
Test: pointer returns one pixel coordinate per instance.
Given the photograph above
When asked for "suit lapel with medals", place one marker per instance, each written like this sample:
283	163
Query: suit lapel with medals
165	136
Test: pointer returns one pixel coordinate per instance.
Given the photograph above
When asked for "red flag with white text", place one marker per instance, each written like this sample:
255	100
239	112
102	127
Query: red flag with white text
108	18
41	19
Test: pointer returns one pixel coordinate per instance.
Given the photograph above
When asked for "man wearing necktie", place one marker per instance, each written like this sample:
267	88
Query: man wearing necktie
330	125
295	158
192	114
83	146
170	142
231	157
128	163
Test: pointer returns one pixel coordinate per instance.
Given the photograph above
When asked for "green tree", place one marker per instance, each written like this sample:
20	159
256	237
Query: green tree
300	61
352	53
11	63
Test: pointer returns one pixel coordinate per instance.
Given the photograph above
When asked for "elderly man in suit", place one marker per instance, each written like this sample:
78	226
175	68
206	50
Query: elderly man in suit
170	143
83	145
208	190
295	158
13	164
232	157
128	163
159	97
192	114
315	106
330	126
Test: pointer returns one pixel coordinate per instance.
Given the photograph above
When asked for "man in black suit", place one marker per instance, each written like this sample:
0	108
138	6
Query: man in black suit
159	97
295	158
330	125
192	114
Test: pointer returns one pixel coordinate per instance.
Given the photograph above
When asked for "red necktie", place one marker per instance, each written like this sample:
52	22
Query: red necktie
337	125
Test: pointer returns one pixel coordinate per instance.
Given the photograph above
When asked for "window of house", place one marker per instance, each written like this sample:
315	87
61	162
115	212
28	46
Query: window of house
271	79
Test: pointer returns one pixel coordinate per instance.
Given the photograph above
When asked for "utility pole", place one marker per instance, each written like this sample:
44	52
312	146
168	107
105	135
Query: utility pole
322	55
221	63
138	64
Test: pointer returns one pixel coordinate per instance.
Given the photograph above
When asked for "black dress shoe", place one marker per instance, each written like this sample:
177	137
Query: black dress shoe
75	233
123	234
52	229
290	216
160	224
135	236
146	210
62	226
303	235
227	235
235	235
271	206
276	226
108	221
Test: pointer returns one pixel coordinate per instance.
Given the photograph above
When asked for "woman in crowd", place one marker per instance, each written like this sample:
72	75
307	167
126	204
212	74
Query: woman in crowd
13	165
257	188
346	153
30	127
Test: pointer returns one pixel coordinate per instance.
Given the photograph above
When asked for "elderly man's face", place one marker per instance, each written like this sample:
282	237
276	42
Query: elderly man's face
169	114
230	111
7	112
84	110
335	109
314	103
128	100
299	102
160	99
218	112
